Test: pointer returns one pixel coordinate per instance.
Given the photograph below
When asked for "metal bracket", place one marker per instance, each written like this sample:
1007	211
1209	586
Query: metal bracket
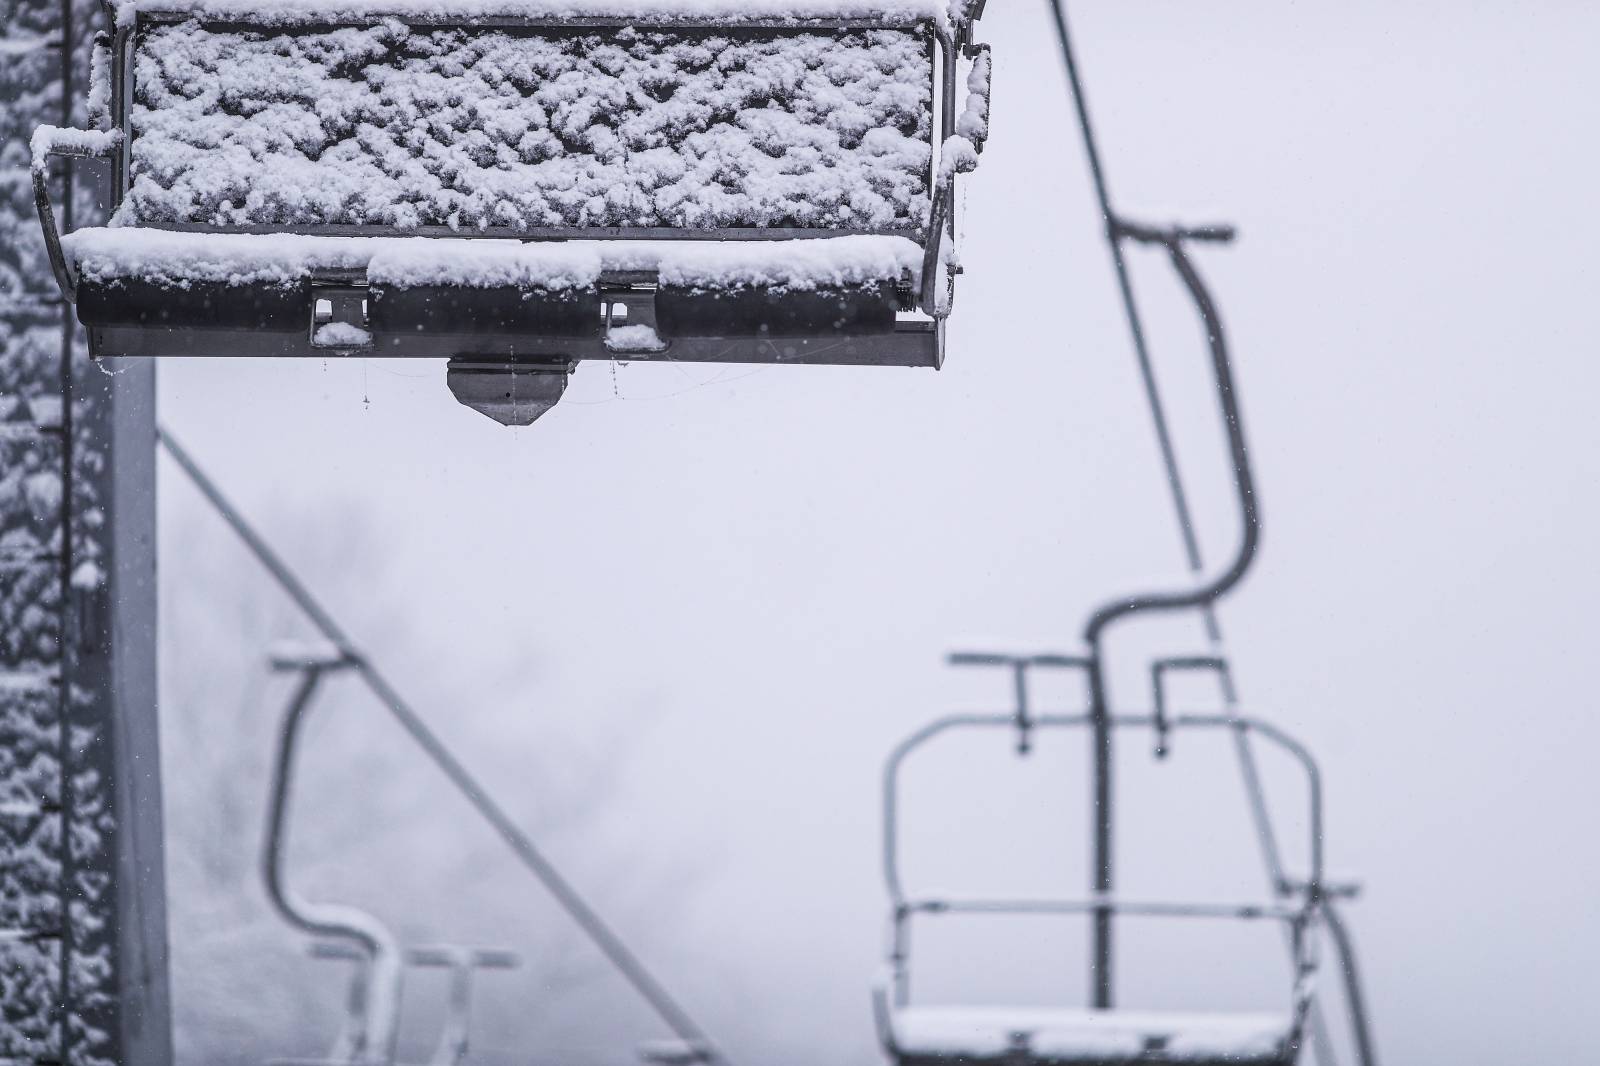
628	304
1019	665
339	305
1158	672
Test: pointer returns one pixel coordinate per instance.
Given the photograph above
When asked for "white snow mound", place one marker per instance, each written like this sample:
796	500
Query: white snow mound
179	260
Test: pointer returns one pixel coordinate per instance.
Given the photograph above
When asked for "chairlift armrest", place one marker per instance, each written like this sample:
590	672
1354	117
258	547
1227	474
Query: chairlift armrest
51	141
1213	233
973	122
883	1016
446	956
933	254
1327	889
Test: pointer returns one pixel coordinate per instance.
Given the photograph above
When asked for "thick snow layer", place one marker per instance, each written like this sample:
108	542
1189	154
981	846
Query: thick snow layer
799	264
406	262
957	156
634	339
340	335
182	259
973	122
476	129
54	139
99	98
319	12
1107	1036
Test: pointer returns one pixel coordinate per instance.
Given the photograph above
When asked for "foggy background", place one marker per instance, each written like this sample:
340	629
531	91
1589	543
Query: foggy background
677	624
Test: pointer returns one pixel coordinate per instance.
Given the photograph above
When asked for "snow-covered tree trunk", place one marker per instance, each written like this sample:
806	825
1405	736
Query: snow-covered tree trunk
77	624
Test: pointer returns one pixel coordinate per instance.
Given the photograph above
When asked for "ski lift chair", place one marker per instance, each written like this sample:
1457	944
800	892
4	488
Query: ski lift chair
518	185
921	1035
369	1032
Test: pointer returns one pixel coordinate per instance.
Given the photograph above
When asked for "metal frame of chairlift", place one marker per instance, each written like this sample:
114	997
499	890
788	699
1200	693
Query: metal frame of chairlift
1299	918
540	359
368	1033
1302	904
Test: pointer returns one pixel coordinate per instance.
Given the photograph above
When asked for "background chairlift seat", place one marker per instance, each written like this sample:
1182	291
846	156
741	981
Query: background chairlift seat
370	1031
919	1035
700	180
933	1036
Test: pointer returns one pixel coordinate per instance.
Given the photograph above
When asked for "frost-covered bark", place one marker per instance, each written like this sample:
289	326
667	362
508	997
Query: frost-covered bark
36	635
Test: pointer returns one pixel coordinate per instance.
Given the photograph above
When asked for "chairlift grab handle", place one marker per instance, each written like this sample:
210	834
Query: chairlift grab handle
940	228
51	141
1210	233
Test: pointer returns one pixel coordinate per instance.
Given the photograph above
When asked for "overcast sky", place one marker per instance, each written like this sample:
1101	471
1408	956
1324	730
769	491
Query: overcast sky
701	604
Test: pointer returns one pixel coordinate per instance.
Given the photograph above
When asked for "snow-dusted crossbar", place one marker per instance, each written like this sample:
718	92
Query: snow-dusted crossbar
528	181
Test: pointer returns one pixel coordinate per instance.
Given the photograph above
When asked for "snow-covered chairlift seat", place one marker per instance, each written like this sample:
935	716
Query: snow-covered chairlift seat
973	1036
527	183
918	1034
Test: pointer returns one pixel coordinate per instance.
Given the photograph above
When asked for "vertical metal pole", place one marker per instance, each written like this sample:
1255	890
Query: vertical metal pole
127	680
1100	975
1100	725
67	796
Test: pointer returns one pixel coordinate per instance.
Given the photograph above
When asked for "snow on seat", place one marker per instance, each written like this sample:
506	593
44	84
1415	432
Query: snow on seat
529	180
531	133
1079	1037
197	283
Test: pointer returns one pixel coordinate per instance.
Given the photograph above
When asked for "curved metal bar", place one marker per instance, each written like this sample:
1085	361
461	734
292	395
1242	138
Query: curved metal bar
1354	993
66	279
941	212
1249	512
939	221
897	757
48	142
380	998
1270	732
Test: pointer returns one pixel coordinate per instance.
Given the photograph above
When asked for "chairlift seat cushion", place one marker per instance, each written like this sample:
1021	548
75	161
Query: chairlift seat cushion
929	1035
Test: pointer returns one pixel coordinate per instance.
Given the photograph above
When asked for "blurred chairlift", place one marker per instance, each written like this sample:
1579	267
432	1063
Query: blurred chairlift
372	1005
1102	1034
180	281
918	1035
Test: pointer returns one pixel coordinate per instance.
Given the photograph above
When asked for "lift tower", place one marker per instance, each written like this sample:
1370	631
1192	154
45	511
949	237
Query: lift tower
82	927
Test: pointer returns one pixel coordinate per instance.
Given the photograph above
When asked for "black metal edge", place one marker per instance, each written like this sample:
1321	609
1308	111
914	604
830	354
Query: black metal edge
915	343
558	233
